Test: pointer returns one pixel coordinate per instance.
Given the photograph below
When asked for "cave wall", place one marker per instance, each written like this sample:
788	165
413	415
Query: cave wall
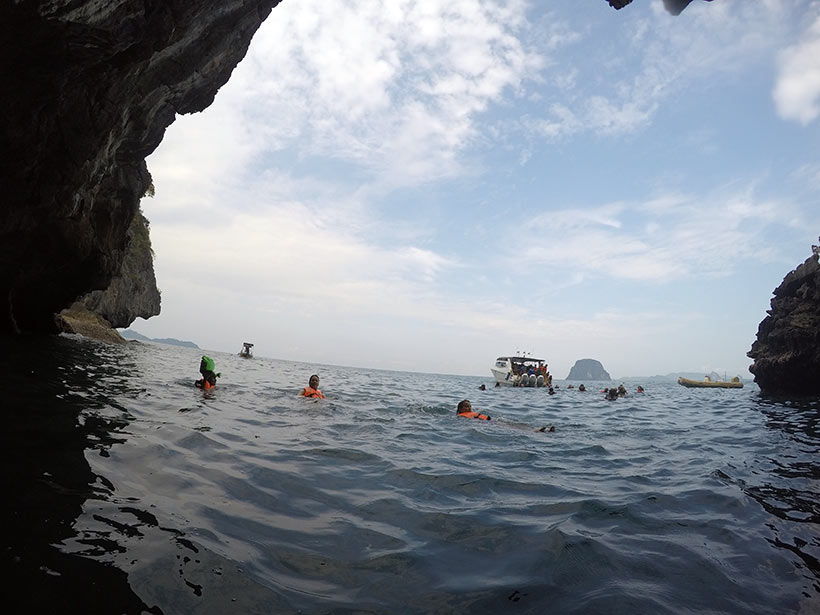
786	352
89	88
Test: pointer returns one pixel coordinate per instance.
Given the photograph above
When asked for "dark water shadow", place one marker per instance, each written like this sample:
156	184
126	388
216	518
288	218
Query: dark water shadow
46	383
69	539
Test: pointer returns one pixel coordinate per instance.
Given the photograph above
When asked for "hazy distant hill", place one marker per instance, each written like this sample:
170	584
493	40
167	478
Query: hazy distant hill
673	377
130	334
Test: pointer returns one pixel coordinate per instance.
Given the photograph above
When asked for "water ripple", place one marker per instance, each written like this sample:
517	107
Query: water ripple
380	499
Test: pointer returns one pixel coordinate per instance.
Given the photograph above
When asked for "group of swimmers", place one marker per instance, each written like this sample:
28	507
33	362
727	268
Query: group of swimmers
611	393
209	376
464	409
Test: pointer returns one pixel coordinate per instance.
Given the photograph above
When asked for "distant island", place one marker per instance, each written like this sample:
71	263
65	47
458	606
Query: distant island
129	334
588	369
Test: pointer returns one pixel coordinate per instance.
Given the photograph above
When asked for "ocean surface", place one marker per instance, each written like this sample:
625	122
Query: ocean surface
128	490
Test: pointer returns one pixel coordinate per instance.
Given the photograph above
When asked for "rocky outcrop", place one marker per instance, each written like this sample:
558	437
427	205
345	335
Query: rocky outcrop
787	350
78	319
133	293
588	369
88	90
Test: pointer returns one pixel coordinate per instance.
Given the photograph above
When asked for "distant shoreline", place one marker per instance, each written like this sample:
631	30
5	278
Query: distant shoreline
130	334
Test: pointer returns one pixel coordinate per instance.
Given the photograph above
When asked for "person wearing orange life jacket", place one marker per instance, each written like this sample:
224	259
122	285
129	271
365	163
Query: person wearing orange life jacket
209	376
465	410
312	390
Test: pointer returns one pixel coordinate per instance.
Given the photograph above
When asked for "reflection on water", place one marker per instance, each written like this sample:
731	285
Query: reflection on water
795	496
130	491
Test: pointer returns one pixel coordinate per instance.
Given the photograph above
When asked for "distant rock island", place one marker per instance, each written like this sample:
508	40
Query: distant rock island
588	369
129	334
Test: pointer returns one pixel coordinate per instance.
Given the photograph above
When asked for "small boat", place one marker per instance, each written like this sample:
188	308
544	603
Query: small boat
246	351
521	371
709	383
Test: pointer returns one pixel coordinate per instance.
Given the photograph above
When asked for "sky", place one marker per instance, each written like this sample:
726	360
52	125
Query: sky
427	185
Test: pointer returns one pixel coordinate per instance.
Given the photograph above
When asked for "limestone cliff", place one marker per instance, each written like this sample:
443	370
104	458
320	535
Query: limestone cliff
588	369
88	90
133	291
787	350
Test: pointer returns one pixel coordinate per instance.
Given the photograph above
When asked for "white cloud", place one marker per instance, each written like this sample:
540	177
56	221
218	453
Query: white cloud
394	86
809	174
666	238
797	91
200	153
285	250
622	85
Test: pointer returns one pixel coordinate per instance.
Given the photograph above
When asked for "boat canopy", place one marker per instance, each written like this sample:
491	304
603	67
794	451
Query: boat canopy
500	361
519	360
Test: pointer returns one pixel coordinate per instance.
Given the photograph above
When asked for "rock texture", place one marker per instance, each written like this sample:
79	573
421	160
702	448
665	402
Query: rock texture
88	90
787	350
588	369
78	319
133	292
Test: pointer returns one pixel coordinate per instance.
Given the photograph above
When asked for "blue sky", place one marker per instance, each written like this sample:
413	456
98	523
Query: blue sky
425	186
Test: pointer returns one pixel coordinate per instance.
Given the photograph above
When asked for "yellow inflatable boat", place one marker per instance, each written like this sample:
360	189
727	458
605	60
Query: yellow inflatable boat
708	383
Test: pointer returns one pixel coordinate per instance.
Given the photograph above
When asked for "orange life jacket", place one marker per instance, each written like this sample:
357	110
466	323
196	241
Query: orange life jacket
311	392
474	415
203	383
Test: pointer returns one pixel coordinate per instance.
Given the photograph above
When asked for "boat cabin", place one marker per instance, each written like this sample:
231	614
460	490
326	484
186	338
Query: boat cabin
521	371
246	350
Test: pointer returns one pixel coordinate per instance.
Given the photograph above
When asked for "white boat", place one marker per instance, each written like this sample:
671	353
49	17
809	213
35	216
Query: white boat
521	371
246	352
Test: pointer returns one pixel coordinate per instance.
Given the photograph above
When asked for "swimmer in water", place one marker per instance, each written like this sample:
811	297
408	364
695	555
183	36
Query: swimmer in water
206	368
465	410
312	389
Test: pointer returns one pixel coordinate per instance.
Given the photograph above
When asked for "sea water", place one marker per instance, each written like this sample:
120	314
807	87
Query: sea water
128	490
